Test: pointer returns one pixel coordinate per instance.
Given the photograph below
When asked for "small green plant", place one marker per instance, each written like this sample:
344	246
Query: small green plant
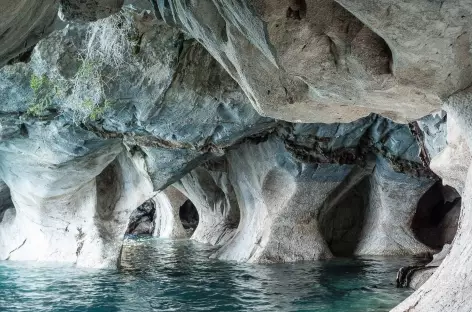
37	81
110	44
44	92
95	111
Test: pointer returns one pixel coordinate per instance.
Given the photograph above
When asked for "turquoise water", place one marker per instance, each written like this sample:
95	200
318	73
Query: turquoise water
163	275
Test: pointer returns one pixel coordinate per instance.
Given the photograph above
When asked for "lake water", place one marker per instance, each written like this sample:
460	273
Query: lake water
166	275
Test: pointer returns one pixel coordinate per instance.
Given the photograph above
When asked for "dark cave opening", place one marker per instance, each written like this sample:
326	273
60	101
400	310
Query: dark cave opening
437	215
342	224
189	217
5	200
141	221
434	223
153	217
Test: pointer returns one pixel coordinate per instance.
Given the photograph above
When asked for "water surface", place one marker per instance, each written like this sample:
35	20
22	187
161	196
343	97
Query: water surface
165	275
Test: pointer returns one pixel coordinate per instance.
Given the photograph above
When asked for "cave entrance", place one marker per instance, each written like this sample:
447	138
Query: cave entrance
142	220
6	202
189	218
341	225
437	216
168	214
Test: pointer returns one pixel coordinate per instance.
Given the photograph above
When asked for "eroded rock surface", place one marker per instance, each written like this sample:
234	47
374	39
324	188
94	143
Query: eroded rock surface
415	277
88	10
167	218
449	288
22	24
141	221
392	204
183	109
167	221
310	62
316	166
279	226
211	192
71	195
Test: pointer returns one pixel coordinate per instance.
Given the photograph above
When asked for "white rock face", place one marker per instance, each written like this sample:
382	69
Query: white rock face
70	200
56	168
121	187
167	221
211	192
52	177
333	61
392	203
175	108
450	289
419	277
453	162
276	225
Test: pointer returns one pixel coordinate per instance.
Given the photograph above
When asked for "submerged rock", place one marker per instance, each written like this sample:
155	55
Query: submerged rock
415	276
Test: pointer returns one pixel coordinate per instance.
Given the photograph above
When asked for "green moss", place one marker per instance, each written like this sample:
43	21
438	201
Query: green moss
96	111
44	92
36	82
87	68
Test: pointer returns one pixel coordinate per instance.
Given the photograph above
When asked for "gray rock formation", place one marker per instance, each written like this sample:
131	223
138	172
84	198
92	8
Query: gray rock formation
311	62
167	221
5	200
278	226
317	166
107	115
391	207
22	24
449	288
141	221
88	10
211	192
68	194
415	276
89	166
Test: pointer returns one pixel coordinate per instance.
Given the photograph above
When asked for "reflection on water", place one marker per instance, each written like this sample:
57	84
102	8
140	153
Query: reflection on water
164	275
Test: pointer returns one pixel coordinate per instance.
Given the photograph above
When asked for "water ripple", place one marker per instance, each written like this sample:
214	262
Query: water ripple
165	275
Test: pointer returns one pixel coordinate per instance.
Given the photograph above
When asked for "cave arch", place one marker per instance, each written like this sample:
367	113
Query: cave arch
208	187
158	216
168	214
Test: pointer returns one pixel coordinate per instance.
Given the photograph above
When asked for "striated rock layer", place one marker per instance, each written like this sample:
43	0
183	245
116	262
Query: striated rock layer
291	186
74	183
209	189
334	61
103	116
